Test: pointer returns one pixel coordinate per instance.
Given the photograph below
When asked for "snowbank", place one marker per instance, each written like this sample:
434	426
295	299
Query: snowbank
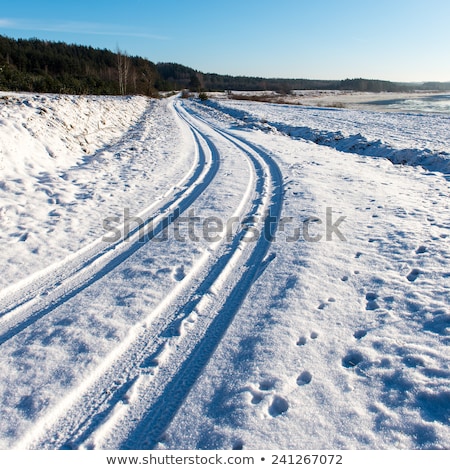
365	133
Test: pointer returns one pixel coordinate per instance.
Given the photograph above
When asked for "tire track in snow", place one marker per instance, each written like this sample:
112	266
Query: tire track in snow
218	311
21	306
148	377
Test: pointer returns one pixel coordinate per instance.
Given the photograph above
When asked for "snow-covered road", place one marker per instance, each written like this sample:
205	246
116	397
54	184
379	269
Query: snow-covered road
148	374
212	282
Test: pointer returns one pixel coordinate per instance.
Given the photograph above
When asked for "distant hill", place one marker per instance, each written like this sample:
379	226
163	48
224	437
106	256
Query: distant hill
56	67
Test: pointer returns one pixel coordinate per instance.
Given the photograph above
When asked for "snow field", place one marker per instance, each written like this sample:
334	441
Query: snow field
404	138
72	162
339	344
140	277
168	341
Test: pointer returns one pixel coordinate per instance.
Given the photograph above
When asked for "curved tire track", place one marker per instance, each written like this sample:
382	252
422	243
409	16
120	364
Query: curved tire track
194	356
23	305
149	375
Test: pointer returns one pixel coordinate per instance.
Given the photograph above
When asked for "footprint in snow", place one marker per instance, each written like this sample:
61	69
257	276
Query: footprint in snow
413	275
421	249
257	397
263	390
238	445
278	406
179	273
352	359
371	301
303	340
267	384
359	334
162	272
304	378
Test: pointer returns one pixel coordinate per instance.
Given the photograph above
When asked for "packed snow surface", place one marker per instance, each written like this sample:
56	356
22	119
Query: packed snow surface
222	275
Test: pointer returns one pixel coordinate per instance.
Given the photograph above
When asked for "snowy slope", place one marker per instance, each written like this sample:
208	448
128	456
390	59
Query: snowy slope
189	326
69	162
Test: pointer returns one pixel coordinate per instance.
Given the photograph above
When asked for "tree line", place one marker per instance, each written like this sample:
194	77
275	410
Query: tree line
56	67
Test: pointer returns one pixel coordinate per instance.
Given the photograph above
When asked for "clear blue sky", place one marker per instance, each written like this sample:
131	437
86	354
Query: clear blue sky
400	40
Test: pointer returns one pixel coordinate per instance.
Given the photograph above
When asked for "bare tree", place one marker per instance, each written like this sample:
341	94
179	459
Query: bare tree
148	78
123	68
134	80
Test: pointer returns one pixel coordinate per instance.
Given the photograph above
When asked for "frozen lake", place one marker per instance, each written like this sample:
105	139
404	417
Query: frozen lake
428	104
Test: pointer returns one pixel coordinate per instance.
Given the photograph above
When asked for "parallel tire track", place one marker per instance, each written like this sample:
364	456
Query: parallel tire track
146	380
215	311
23	305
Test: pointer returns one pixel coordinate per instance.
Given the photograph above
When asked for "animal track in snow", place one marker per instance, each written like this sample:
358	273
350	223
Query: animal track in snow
238	445
163	272
303	339
304	378
267	384
278	406
326	303
179	273
359	334
352	359
257	397
371	301
263	390
413	275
